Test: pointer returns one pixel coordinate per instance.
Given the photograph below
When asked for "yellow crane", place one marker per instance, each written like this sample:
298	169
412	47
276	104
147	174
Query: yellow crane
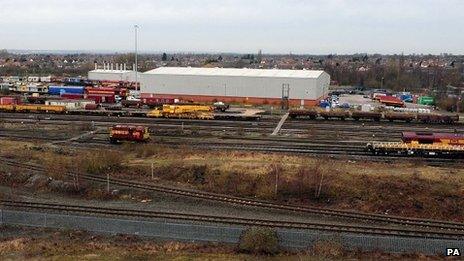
183	111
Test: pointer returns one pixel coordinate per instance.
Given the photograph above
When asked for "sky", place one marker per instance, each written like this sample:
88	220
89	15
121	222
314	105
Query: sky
238	26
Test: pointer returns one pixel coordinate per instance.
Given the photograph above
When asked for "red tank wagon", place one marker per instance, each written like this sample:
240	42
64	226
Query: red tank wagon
121	133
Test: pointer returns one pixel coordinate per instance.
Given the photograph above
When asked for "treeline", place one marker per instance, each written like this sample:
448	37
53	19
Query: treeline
399	78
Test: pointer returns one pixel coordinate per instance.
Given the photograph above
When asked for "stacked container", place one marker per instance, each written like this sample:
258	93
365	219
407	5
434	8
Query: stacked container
9	100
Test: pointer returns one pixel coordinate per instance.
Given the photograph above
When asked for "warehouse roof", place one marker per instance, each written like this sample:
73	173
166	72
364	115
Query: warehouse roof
110	71
236	72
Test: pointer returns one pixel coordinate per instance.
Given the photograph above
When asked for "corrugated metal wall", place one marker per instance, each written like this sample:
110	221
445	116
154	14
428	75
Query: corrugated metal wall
236	86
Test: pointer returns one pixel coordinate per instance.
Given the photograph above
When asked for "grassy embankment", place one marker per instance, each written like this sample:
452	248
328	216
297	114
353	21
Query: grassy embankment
409	189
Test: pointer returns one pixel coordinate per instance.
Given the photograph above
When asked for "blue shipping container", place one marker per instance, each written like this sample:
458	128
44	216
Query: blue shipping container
406	97
58	90
324	104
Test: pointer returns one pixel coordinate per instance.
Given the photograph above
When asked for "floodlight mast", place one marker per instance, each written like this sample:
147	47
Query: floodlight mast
136	27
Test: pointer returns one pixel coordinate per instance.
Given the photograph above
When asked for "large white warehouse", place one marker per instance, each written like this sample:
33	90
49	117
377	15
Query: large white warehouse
303	87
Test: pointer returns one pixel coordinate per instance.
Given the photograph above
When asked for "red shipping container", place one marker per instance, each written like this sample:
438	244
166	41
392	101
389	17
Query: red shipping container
8	100
91	106
391	100
100	98
157	101
72	96
101	90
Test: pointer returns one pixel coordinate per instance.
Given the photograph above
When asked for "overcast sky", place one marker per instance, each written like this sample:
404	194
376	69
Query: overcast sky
275	26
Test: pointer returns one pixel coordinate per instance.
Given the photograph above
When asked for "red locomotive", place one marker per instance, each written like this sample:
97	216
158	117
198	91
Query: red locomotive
121	133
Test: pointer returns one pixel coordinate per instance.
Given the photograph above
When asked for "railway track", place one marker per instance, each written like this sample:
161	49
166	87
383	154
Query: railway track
264	123
195	194
338	228
328	148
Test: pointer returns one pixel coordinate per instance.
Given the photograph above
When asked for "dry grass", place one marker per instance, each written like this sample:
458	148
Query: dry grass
100	162
404	189
327	249
47	244
408	189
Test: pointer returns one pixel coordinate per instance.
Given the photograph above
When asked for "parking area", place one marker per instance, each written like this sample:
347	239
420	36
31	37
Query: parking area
357	99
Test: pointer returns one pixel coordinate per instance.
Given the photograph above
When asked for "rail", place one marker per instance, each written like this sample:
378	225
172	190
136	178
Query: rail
338	228
415	222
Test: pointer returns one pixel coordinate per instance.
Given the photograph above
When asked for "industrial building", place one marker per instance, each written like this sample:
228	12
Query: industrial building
254	86
108	73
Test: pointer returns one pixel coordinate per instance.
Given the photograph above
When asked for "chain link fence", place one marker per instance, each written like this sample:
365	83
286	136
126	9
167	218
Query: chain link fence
195	232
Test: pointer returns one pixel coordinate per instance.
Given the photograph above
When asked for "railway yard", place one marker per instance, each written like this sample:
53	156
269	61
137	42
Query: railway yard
231	130
355	174
294	174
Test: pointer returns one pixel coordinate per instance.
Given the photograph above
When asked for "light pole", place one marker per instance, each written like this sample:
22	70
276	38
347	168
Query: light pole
136	27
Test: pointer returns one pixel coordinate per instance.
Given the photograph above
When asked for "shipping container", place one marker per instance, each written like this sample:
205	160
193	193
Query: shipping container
406	97
69	104
9	100
154	102
59	90
99	98
91	106
426	100
72	96
391	101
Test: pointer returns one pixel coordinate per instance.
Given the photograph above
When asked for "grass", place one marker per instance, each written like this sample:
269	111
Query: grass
51	244
409	189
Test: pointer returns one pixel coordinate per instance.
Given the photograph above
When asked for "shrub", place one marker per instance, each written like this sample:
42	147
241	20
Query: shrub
85	126
325	248
101	162
259	240
56	166
310	182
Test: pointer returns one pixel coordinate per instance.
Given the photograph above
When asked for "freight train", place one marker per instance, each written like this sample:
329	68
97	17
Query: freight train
120	133
33	108
422	144
373	115
181	111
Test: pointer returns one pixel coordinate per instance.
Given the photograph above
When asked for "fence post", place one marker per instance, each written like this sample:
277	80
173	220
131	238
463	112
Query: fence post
108	183
152	171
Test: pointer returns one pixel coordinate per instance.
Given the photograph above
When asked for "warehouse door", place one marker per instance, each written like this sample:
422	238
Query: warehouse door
285	95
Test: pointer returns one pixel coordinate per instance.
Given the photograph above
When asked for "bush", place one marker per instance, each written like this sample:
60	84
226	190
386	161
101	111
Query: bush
310	182
101	162
326	248
258	240
85	126
144	150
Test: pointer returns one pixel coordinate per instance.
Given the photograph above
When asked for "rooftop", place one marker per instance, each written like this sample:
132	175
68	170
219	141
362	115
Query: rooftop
236	72
110	71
